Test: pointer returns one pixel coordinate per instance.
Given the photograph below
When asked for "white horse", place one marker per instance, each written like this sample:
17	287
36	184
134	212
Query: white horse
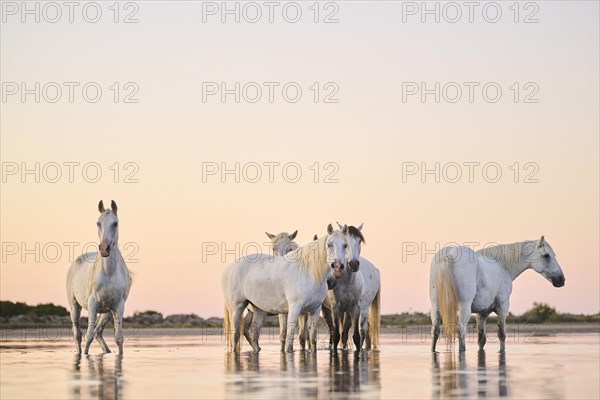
293	284
370	299
282	243
366	327
342	303
100	283
481	282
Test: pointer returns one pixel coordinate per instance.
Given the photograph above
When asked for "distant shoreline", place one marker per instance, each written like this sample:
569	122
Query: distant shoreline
541	319
406	329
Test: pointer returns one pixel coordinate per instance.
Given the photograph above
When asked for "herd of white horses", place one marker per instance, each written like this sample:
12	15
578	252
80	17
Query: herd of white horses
326	276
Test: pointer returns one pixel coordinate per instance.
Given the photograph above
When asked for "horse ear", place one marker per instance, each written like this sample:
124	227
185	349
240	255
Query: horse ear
293	235
338	224
113	206
360	227
345	230
541	241
329	229
101	206
269	235
315	237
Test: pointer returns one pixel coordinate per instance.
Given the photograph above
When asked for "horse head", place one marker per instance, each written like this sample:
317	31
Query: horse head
108	228
283	243
543	261
355	239
337	245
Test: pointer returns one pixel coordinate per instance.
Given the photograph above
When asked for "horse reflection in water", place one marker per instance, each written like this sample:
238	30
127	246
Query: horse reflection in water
453	377
99	380
297	374
351	372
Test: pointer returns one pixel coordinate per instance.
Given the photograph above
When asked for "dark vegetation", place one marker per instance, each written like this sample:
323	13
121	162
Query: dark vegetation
538	314
16	314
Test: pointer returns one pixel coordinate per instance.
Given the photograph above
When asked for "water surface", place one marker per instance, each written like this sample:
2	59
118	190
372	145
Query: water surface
179	365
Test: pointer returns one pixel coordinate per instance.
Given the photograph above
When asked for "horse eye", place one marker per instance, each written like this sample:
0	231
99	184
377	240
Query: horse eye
98	224
546	256
345	246
330	245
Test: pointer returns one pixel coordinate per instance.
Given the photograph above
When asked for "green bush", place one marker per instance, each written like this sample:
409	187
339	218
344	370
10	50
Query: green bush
540	312
148	312
10	309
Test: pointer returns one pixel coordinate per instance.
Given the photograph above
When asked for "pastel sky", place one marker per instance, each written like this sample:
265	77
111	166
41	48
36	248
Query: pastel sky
364	144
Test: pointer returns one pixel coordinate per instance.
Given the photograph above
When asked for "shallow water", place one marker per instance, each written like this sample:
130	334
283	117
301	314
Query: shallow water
180	365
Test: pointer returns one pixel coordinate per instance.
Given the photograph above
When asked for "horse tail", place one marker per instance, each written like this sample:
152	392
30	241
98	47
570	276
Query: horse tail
227	329
230	331
240	340
375	319
131	276
447	298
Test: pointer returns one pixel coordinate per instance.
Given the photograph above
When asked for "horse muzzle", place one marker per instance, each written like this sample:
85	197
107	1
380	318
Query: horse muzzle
558	281
354	265
104	249
337	269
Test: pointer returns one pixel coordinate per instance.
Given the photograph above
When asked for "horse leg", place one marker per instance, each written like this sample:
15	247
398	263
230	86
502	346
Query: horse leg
346	325
356	339
502	313
360	329
247	324
293	314
102	321
436	322
254	333
464	315
302	331
329	320
118	320
313	319
89	336
238	312
481	337
336	326
75	321
282	330
368	342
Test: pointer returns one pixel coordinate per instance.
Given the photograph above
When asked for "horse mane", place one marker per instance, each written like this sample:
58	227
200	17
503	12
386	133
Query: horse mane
131	276
508	255
353	231
312	257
